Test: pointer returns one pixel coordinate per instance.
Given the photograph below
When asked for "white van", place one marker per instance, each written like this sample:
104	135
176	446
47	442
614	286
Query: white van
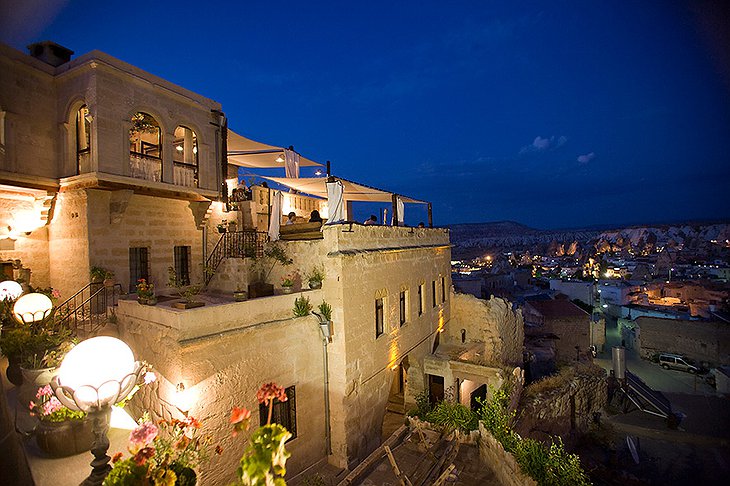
676	362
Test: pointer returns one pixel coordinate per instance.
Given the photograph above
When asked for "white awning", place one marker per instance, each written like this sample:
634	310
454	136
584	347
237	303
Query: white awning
317	186
245	152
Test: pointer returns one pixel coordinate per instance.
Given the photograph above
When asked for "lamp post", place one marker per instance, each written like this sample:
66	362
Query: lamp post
95	375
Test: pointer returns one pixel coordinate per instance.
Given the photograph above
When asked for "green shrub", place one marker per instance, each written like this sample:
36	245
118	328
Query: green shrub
302	307
423	406
453	416
326	310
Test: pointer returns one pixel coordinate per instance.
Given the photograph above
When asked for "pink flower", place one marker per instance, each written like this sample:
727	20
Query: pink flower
45	391
269	391
143	434
55	294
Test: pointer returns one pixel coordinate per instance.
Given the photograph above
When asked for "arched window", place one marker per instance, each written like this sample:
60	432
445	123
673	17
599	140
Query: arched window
185	157
83	140
145	147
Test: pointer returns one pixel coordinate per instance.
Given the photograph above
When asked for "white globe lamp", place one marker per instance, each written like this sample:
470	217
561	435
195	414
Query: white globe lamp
10	290
32	308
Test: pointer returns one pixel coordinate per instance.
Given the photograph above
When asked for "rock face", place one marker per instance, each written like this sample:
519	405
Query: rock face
492	322
564	402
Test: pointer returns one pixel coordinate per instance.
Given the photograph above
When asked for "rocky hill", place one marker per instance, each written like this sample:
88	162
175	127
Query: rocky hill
471	240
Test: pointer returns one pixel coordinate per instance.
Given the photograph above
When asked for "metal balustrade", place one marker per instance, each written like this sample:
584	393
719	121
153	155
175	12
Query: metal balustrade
235	244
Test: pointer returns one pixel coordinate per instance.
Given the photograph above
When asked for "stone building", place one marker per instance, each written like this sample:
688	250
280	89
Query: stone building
103	164
568	324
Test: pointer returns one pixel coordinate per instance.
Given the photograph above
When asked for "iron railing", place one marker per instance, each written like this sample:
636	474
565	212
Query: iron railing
89	309
235	244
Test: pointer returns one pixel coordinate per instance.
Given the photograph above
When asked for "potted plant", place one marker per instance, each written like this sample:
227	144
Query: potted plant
60	432
185	290
325	310
287	284
273	255
101	275
315	277
222	226
163	452
302	307
146	292
240	295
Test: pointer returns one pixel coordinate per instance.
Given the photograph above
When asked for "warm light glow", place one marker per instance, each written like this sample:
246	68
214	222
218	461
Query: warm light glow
26	220
280	159
32	307
10	289
120	419
97	365
184	398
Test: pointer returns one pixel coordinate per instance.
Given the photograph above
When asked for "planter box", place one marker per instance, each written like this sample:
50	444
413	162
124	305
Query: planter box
187	305
61	439
260	289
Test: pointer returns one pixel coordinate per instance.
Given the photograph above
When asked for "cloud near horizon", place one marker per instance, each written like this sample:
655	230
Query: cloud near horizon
584	159
543	144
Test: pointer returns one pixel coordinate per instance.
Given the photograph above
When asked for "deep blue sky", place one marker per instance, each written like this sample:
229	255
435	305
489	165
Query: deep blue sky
553	114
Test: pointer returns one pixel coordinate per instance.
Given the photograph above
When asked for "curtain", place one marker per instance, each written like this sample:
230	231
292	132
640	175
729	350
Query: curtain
401	210
275	220
335	202
291	163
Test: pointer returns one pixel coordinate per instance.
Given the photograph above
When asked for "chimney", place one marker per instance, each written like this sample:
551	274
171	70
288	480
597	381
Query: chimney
50	53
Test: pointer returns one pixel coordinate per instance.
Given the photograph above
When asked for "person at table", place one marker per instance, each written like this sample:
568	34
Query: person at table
371	220
291	218
314	217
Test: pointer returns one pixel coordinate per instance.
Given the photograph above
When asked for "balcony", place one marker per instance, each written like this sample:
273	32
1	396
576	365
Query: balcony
145	167
185	174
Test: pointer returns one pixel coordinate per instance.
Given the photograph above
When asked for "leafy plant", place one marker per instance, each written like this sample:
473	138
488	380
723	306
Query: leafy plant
163	453
325	310
302	307
264	460
49	409
423	406
273	255
98	274
184	289
317	274
145	289
287	281
453	416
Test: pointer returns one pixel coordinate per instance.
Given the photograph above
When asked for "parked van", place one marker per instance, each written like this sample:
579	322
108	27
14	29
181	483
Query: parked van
676	362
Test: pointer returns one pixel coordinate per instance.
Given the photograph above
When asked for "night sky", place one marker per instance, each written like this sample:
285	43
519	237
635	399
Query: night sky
552	114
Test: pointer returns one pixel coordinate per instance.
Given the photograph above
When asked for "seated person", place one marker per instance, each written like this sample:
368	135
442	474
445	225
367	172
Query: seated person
314	217
291	218
371	220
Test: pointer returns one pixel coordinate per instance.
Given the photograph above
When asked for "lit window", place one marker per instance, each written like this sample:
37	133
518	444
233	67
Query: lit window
403	307
379	317
433	292
185	157
83	140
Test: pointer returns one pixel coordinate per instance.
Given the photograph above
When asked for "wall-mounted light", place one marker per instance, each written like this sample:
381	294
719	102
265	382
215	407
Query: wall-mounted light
280	159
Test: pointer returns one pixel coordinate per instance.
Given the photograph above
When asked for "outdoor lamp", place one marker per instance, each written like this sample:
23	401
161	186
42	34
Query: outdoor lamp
32	308
96	374
10	289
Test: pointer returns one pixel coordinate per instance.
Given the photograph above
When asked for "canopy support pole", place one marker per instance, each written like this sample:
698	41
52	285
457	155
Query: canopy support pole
328	169
430	216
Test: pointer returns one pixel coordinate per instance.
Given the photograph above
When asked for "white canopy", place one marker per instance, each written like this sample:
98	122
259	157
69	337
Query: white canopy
245	152
317	186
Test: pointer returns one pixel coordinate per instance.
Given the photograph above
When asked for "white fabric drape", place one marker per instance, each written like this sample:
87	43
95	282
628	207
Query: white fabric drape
291	163
275	220
335	202
401	210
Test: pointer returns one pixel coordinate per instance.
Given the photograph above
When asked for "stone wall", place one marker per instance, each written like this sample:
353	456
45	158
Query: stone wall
571	331
504	464
699	340
492	322
69	243
563	402
257	343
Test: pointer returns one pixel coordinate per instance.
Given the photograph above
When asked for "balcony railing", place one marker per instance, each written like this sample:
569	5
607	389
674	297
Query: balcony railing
145	167
185	174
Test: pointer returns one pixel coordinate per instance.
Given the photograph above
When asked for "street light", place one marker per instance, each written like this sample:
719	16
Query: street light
32	308
95	375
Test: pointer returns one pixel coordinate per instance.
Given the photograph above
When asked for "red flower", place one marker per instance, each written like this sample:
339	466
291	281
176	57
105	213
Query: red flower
238	415
269	391
191	422
141	457
117	457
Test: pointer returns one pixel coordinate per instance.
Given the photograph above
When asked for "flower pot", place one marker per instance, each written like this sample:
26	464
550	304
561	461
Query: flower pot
33	379
61	439
147	300
287	290
260	289
315	284
108	282
221	229
15	376
240	296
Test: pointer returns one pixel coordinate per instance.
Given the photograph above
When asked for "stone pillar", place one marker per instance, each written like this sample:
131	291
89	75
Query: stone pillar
167	166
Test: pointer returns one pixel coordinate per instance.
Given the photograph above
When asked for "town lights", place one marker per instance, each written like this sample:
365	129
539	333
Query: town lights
95	375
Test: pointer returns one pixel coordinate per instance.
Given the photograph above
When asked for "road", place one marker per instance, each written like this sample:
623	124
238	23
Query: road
669	381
